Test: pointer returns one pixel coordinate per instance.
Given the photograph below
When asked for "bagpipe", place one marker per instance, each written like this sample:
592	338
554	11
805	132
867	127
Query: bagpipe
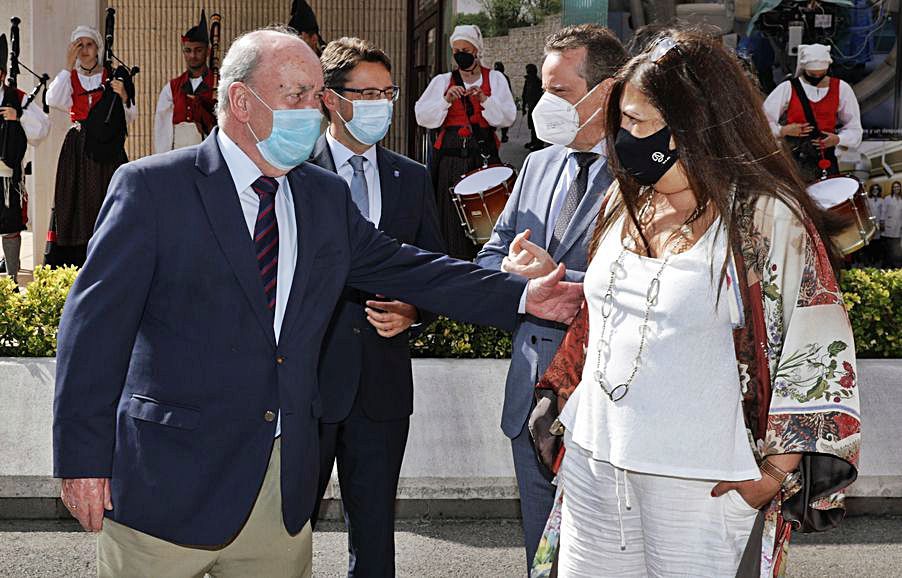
13	142
106	125
215	34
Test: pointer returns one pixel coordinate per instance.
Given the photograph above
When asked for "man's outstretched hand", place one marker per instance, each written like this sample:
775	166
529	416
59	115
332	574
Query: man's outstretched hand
550	298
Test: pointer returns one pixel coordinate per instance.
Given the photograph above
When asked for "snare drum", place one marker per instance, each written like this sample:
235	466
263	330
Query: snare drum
479	198
846	198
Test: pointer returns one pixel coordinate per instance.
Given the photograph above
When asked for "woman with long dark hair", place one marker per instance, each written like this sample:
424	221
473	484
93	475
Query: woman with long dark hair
717	404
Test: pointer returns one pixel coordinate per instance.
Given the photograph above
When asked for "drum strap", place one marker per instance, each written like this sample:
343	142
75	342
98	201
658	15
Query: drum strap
806	106
458	80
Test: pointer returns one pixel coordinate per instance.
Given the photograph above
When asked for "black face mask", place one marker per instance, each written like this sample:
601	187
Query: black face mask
813	80
645	159
464	60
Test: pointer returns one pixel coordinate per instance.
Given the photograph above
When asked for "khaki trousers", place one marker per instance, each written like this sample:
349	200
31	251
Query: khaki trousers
263	547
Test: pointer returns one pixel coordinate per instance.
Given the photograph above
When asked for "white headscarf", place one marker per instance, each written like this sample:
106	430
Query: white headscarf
469	33
813	57
88	32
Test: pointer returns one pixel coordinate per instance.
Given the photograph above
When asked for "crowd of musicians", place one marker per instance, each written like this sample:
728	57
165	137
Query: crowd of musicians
701	406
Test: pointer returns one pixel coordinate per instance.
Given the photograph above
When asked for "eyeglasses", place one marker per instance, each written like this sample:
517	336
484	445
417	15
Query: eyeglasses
391	93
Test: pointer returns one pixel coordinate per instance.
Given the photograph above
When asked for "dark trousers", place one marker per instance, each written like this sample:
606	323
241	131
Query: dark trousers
369	455
536	492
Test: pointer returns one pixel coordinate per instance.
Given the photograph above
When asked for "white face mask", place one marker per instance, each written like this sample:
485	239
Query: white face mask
556	120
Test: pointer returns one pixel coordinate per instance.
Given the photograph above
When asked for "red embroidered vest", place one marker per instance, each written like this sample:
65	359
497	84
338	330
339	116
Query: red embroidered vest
457	114
824	110
83	101
197	109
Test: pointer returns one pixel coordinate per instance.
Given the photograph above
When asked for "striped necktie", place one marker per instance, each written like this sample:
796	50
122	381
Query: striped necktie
266	237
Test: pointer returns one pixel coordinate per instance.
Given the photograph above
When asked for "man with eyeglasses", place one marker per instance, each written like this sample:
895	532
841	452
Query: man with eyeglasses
365	379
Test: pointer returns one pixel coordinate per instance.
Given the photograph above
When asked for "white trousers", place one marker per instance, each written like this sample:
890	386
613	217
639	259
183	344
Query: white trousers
621	523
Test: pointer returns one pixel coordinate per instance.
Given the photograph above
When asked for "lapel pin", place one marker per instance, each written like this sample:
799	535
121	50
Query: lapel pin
397	174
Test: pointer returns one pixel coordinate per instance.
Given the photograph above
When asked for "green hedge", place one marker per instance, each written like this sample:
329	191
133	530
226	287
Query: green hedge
29	320
874	300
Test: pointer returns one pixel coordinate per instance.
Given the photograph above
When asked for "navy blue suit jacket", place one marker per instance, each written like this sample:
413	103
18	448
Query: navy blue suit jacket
167	360
356	360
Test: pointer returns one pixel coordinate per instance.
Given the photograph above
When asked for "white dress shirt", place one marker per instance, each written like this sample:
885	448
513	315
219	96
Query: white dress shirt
244	172
341	155
59	93
848	116
498	110
571	170
162	120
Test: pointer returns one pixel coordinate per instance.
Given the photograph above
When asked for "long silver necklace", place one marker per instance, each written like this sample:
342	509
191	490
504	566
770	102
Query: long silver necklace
618	392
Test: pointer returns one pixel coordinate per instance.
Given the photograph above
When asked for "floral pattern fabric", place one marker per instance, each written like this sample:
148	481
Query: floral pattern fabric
795	361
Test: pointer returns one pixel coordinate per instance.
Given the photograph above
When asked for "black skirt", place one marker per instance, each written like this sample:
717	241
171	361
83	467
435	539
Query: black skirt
11	217
81	185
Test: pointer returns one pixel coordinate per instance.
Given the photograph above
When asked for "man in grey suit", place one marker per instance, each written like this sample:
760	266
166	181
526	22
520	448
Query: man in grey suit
548	220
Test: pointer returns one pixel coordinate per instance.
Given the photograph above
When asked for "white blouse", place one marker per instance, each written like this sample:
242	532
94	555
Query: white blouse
682	415
498	110
59	93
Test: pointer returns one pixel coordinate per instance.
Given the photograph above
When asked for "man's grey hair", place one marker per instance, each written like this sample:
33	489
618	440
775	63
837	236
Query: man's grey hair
239	64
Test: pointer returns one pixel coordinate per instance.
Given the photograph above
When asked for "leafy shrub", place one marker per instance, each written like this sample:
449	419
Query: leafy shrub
874	300
447	338
29	320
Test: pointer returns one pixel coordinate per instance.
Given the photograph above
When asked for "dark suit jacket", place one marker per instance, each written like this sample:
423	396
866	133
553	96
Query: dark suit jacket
168	365
354	357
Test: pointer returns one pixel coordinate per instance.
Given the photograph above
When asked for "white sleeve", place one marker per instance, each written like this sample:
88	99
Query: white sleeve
499	109
775	104
131	112
35	122
162	122
849	116
59	93
432	108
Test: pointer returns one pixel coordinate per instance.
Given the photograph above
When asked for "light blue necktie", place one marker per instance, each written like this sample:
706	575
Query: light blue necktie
359	192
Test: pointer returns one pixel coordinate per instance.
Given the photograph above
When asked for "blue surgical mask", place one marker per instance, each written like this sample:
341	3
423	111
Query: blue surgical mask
371	119
293	136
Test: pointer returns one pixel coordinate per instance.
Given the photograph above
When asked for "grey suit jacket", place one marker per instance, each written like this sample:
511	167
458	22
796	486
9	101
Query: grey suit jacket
535	341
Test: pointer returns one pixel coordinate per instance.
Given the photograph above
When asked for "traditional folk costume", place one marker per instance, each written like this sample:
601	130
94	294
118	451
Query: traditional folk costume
795	372
31	127
466	137
88	157
186	108
834	107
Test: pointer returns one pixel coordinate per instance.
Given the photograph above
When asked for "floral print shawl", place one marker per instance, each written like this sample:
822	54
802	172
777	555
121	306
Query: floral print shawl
796	364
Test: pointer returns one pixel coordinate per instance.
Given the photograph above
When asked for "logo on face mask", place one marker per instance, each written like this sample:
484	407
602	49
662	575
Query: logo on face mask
293	136
646	159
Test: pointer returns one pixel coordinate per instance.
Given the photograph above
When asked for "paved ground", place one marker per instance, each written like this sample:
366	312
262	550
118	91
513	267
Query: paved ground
864	547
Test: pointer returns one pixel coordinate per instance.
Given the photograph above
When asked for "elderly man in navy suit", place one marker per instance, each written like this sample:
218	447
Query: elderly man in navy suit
187	407
365	377
548	220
